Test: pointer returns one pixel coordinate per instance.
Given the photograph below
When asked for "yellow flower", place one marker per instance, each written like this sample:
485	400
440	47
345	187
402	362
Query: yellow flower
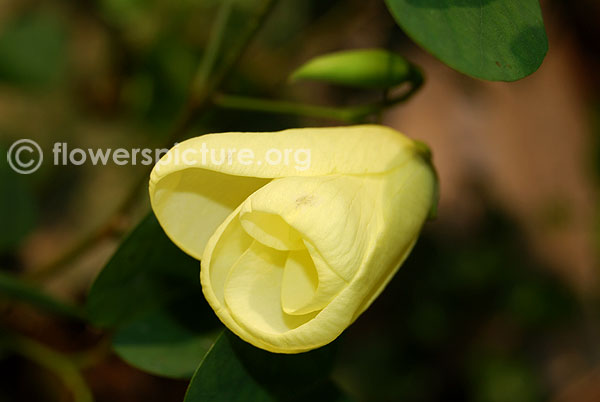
294	248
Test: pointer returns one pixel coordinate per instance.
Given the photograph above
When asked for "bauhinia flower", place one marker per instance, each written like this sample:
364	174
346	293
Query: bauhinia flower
297	231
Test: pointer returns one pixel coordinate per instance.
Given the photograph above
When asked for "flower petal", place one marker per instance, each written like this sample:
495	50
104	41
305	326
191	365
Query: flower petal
191	203
297	256
192	193
299	282
253	291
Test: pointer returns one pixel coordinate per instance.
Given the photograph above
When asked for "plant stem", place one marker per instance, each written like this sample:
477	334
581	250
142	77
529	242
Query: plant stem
282	107
14	288
351	114
214	46
55	362
200	97
198	101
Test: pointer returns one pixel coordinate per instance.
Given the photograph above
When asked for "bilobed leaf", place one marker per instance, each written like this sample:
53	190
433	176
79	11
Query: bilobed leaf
365	68
498	40
150	291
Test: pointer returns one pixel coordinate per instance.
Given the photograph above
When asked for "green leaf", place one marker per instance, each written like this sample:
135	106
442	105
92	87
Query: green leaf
498	40
147	272
33	50
162	344
14	288
222	377
234	370
366	68
17	207
150	290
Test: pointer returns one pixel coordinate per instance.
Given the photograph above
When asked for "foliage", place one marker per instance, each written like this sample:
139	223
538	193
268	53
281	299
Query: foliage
149	292
498	40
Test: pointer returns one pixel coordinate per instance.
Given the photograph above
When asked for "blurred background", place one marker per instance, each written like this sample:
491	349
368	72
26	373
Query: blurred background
499	300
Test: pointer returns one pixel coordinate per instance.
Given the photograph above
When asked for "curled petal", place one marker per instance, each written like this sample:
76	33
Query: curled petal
291	258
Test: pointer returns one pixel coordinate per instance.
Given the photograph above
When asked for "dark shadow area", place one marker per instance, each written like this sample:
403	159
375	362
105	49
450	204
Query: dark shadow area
290	377
470	317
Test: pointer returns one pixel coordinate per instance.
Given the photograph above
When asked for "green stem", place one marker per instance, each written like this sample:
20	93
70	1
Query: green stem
55	362
200	96
283	107
351	114
14	288
214	46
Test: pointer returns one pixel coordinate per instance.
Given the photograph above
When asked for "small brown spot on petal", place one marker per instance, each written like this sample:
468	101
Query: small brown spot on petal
304	200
